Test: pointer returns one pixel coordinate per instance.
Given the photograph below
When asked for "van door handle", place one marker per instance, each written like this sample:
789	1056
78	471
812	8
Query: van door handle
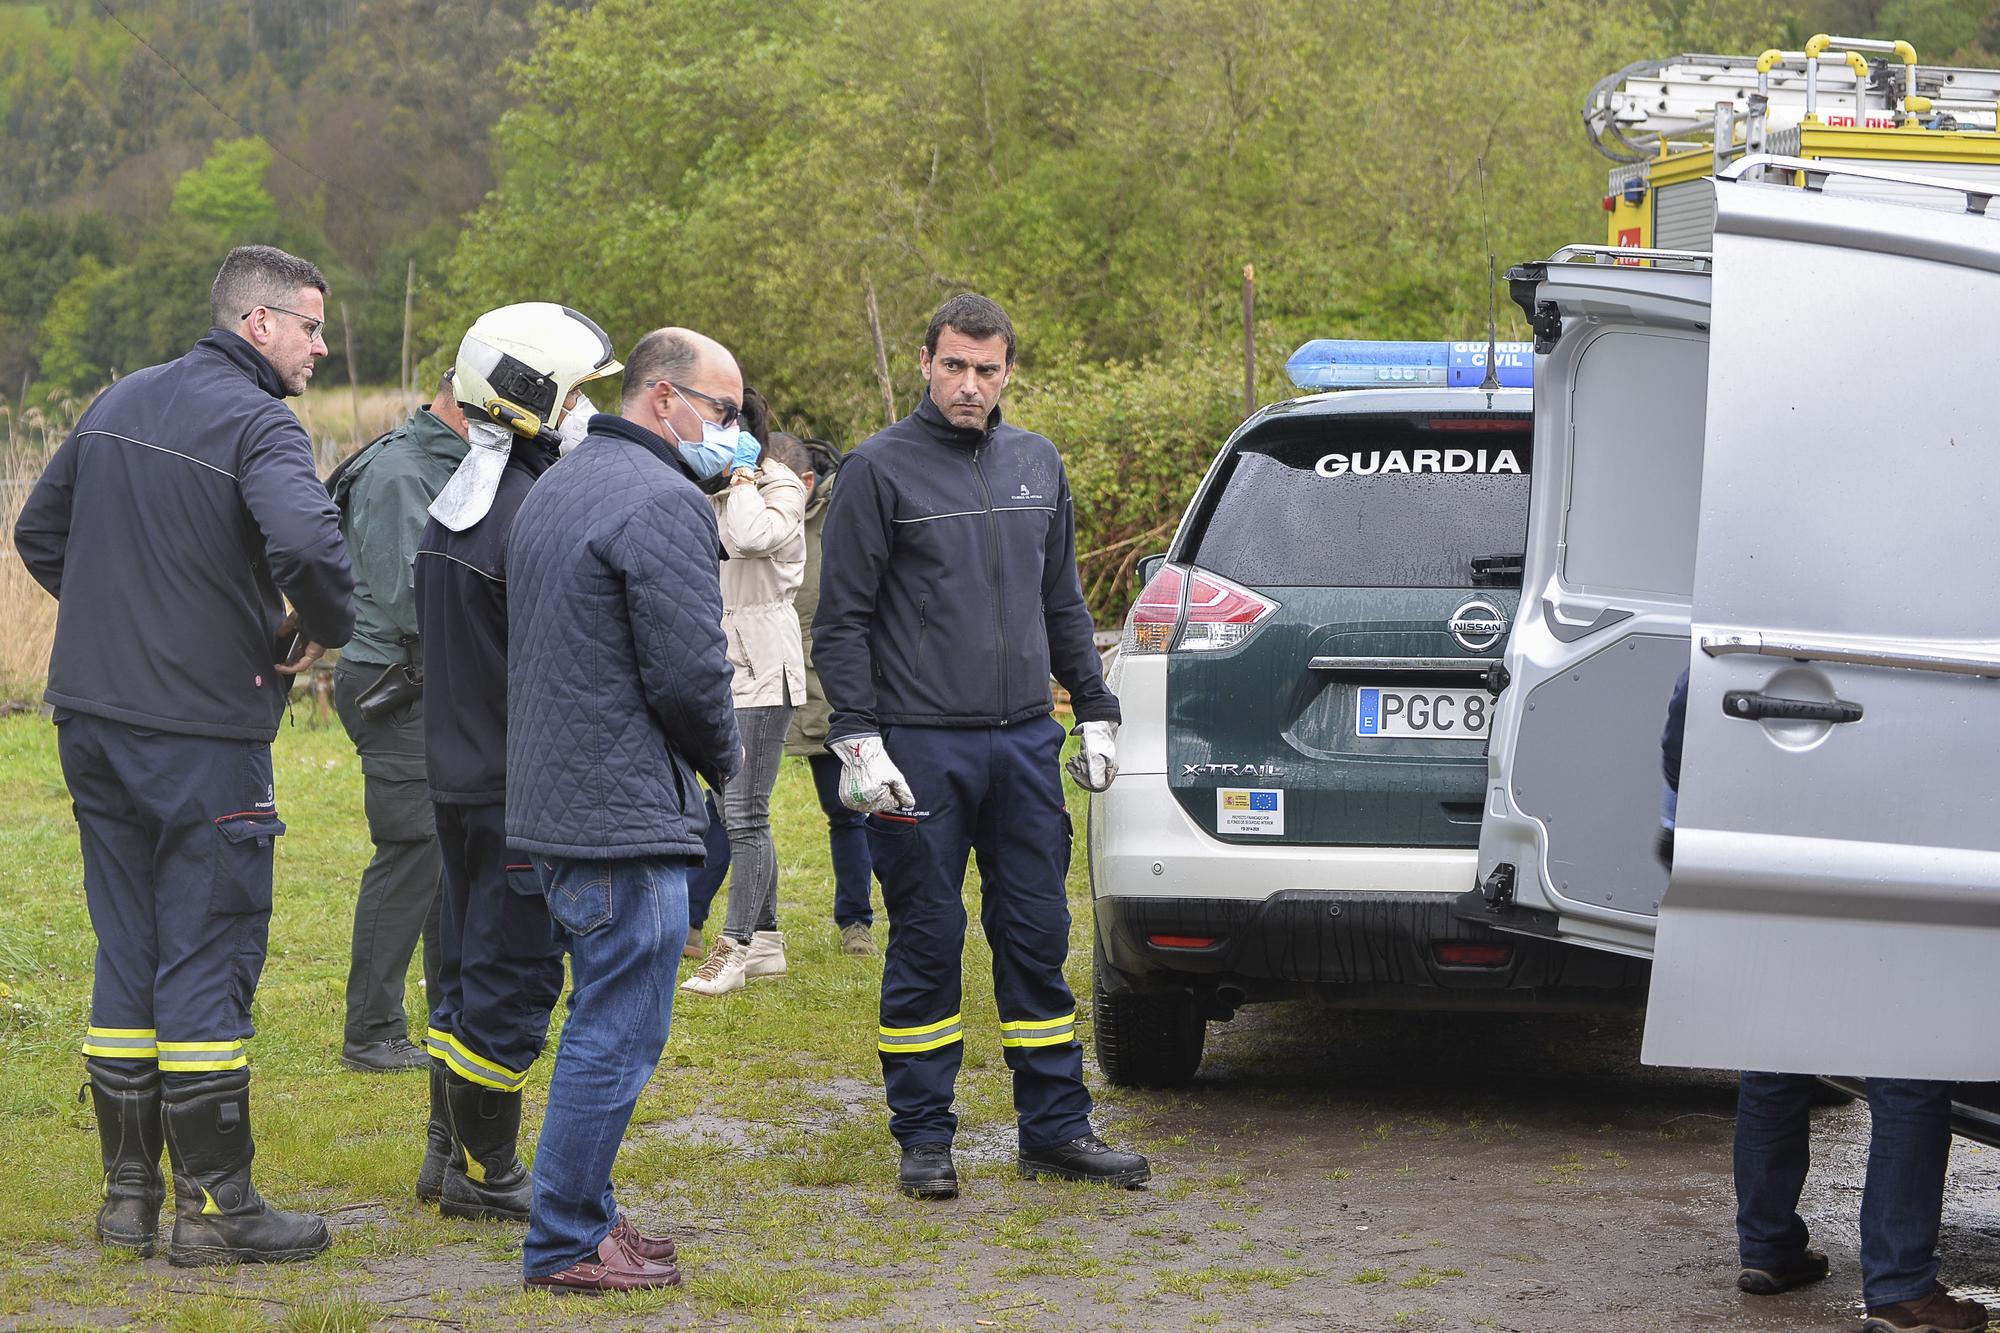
1755	707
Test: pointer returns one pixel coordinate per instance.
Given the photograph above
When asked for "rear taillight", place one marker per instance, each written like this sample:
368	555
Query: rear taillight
1192	611
1157	613
1220	614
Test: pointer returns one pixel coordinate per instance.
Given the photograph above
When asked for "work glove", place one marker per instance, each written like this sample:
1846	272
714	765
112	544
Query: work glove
748	451
869	780
1096	761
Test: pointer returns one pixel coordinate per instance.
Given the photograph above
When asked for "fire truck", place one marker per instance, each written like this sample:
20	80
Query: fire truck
1850	103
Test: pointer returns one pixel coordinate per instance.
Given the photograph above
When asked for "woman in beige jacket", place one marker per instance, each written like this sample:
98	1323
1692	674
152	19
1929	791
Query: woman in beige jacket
761	515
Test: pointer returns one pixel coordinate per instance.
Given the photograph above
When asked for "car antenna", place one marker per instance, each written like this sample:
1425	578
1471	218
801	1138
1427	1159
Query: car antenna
1492	381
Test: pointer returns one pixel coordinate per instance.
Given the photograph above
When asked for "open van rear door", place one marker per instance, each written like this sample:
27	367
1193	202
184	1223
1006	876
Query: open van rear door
1572	803
1835	904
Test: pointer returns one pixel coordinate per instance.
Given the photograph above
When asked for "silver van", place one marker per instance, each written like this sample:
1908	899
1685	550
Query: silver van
1778	464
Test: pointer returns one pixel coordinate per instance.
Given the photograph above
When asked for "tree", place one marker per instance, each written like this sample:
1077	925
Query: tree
63	348
226	192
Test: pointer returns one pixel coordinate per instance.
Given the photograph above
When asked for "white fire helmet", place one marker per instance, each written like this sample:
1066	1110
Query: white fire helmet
517	367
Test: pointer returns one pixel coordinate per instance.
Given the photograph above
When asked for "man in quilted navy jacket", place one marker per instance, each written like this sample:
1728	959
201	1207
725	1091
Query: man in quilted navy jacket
617	701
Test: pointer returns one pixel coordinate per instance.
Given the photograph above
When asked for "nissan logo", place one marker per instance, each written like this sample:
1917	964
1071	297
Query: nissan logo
1477	626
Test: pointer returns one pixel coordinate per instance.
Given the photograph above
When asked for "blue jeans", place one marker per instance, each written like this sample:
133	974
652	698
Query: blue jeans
1901	1203
623	923
847	839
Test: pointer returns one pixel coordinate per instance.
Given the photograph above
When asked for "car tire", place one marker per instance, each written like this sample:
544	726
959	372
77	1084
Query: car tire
1145	1040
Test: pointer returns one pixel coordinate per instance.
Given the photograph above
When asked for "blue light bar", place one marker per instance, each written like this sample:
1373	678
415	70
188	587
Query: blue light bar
1354	363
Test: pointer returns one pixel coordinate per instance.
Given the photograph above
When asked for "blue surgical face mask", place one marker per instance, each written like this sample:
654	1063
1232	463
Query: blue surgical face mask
709	455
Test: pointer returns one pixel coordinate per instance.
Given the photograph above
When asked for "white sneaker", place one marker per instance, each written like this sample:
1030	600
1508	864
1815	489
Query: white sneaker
721	972
766	955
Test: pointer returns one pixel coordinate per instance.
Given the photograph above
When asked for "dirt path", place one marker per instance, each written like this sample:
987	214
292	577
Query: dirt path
1367	1172
1332	1172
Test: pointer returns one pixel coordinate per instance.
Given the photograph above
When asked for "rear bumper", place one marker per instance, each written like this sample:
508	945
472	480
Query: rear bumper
1286	919
1341	938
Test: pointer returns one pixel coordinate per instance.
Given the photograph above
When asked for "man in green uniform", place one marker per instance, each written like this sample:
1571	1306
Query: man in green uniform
384	496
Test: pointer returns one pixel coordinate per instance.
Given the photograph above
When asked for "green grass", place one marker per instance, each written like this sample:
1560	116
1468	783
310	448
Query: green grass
762	1142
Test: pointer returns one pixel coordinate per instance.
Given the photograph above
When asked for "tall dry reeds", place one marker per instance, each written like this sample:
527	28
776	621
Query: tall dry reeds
27	614
341	421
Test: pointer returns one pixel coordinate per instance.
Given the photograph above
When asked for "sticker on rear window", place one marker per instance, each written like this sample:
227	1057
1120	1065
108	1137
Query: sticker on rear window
1249	810
1382	462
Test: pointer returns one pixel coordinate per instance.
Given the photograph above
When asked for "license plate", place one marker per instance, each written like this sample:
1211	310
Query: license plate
1448	715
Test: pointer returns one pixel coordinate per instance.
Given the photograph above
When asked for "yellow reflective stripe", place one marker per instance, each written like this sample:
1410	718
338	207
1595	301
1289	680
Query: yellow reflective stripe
201	1066
1039	1031
927	1028
191	1057
475	1068
1056	1039
913	1045
1068	1020
121	1043
436	1043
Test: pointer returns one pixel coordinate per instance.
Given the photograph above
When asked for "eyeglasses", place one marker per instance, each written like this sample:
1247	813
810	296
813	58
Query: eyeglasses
731	412
313	326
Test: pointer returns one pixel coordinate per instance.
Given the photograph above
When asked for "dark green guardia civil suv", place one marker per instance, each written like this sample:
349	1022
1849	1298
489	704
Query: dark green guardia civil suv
1306	680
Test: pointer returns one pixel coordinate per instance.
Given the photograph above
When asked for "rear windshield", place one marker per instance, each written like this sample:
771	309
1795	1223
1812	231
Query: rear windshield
1372	502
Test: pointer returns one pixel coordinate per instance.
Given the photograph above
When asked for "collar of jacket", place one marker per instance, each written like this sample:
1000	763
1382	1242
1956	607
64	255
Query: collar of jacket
429	433
604	423
822	492
930	419
532	456
229	347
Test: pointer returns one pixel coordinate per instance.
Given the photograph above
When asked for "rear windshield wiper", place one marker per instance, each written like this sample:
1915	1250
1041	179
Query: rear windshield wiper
1503	571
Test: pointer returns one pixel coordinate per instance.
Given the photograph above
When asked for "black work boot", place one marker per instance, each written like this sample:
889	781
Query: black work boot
126	1096
219	1218
1088	1158
438	1145
486	1180
1806	1267
927	1172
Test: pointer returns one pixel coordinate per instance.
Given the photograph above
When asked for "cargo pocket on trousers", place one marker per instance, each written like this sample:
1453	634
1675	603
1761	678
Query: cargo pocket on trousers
579	896
242	862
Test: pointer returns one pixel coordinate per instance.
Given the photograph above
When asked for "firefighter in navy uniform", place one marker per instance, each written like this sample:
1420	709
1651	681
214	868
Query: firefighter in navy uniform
948	595
518	378
167	526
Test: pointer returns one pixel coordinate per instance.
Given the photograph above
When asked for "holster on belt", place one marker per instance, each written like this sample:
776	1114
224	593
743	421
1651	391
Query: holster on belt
397	686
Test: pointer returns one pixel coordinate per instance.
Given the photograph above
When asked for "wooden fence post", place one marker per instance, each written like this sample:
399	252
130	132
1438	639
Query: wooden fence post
1249	339
353	375
881	353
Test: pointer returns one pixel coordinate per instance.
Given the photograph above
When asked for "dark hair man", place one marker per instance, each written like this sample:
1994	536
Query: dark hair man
617	700
518	387
167	526
948	594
